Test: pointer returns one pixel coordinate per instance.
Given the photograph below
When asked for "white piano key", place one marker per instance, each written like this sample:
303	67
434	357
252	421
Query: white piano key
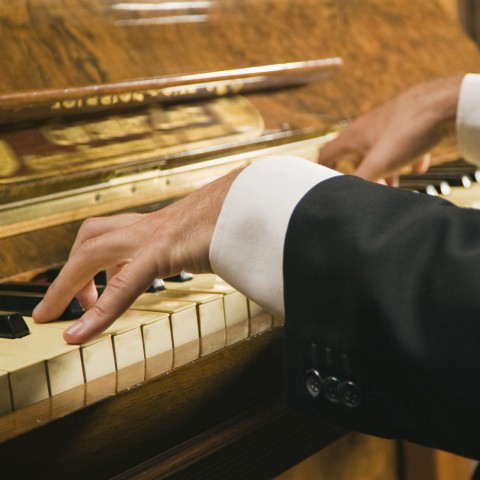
125	344
64	368
97	355
254	309
157	337
28	378
234	303
183	323
5	397
158	364
62	361
127	340
210	314
236	317
260	323
155	328
277	322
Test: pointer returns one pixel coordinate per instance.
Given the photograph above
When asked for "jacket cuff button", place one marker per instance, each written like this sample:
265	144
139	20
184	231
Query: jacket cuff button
350	394
313	382
330	389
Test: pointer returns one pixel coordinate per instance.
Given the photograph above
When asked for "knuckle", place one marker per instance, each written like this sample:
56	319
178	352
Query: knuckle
98	311
87	246
117	284
88	225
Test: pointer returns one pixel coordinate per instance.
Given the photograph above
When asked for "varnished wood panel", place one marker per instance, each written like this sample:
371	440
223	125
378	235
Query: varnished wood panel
386	45
49	440
356	456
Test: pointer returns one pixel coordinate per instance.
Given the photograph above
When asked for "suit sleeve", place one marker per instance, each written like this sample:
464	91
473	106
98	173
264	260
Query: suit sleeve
382	305
381	294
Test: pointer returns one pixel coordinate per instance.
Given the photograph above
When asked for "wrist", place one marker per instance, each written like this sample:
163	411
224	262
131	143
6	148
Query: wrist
448	91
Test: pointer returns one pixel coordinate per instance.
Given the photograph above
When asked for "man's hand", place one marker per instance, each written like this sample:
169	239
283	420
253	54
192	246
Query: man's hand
380	143
133	249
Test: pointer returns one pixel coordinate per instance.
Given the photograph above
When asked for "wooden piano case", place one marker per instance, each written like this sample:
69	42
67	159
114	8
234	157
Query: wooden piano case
103	106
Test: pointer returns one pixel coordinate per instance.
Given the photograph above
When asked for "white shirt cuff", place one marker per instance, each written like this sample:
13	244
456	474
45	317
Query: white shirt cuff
248	241
468	118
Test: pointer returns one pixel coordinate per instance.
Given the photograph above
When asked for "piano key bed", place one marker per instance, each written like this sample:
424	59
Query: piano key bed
161	331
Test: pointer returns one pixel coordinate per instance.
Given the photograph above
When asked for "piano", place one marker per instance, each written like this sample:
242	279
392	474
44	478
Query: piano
109	106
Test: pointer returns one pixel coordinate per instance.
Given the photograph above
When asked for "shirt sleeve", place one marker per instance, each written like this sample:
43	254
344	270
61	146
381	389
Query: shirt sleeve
248	241
468	118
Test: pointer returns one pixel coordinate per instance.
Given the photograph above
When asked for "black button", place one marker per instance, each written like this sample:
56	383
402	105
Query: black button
12	325
330	389
313	382
350	394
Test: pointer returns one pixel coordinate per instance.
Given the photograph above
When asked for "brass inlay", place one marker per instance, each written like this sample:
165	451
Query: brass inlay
154	133
138	189
37	104
218	88
9	163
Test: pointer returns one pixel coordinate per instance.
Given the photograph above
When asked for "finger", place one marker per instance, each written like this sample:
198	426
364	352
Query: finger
120	293
383	160
393	180
347	163
111	272
93	227
423	164
88	295
99	253
337	149
382	181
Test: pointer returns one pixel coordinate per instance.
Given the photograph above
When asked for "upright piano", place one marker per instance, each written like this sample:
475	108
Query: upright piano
110	106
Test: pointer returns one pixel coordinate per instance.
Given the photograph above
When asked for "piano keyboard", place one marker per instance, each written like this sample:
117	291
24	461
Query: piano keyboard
161	331
458	182
164	329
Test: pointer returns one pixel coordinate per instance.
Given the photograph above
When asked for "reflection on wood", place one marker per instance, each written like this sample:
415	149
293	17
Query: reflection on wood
46	104
420	463
355	456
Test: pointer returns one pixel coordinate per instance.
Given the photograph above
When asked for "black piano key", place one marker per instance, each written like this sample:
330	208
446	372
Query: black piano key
100	280
25	302
12	325
156	286
181	277
31	287
441	178
52	273
28	287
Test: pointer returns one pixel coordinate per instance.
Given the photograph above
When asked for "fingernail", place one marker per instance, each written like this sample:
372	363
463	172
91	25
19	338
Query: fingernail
75	329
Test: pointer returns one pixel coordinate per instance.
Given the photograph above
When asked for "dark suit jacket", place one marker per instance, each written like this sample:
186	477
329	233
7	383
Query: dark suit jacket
382	299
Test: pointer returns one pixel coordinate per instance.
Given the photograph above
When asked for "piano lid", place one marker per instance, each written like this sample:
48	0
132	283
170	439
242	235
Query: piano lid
97	90
97	53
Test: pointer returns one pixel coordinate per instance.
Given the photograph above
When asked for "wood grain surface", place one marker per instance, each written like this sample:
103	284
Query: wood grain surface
386	46
59	44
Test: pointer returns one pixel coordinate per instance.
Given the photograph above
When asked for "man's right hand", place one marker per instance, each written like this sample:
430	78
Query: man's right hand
400	132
